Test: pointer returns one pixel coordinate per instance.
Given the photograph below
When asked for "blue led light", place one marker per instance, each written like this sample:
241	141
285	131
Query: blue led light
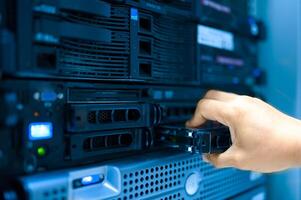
48	96
89	180
169	94
40	131
134	14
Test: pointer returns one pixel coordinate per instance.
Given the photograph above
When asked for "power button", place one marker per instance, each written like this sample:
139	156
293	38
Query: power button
192	183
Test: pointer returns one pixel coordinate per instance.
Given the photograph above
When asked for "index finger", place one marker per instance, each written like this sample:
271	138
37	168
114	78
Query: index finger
220	95
210	109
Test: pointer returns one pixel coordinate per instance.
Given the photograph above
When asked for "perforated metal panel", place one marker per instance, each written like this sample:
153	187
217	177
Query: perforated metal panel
156	177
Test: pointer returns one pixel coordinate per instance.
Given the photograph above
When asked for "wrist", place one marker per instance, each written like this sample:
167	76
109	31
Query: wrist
295	147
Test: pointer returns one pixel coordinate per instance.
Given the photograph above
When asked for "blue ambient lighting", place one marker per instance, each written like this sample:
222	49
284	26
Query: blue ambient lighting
40	130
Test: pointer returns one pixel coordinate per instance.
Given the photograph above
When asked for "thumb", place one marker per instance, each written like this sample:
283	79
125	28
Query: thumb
222	160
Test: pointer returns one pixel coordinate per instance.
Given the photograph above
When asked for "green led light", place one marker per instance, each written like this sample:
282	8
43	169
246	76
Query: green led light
41	151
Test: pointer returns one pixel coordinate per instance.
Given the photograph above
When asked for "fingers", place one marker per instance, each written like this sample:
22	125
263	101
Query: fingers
219	95
209	109
226	159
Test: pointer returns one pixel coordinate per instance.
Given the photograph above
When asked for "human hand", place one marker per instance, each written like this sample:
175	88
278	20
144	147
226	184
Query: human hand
263	138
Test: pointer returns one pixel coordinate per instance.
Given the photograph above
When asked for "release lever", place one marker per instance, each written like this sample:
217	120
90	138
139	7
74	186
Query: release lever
210	138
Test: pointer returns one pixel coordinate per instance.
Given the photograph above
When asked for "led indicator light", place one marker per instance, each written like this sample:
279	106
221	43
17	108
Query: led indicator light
41	151
40	131
48	96
88	180
134	14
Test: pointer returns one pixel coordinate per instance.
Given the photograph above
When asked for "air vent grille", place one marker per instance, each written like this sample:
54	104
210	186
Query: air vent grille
162	179
96	59
173	49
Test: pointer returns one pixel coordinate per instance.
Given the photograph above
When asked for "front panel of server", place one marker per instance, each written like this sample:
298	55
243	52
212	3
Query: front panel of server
86	85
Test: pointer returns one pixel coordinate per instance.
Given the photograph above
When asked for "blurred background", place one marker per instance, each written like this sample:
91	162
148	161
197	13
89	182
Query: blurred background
280	55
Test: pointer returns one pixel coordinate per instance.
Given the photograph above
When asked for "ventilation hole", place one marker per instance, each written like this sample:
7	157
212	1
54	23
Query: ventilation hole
105	116
92	117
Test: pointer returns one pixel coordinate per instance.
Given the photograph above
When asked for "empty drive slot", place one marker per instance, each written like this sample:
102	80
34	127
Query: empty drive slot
145	47
46	60
145	69
145	23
